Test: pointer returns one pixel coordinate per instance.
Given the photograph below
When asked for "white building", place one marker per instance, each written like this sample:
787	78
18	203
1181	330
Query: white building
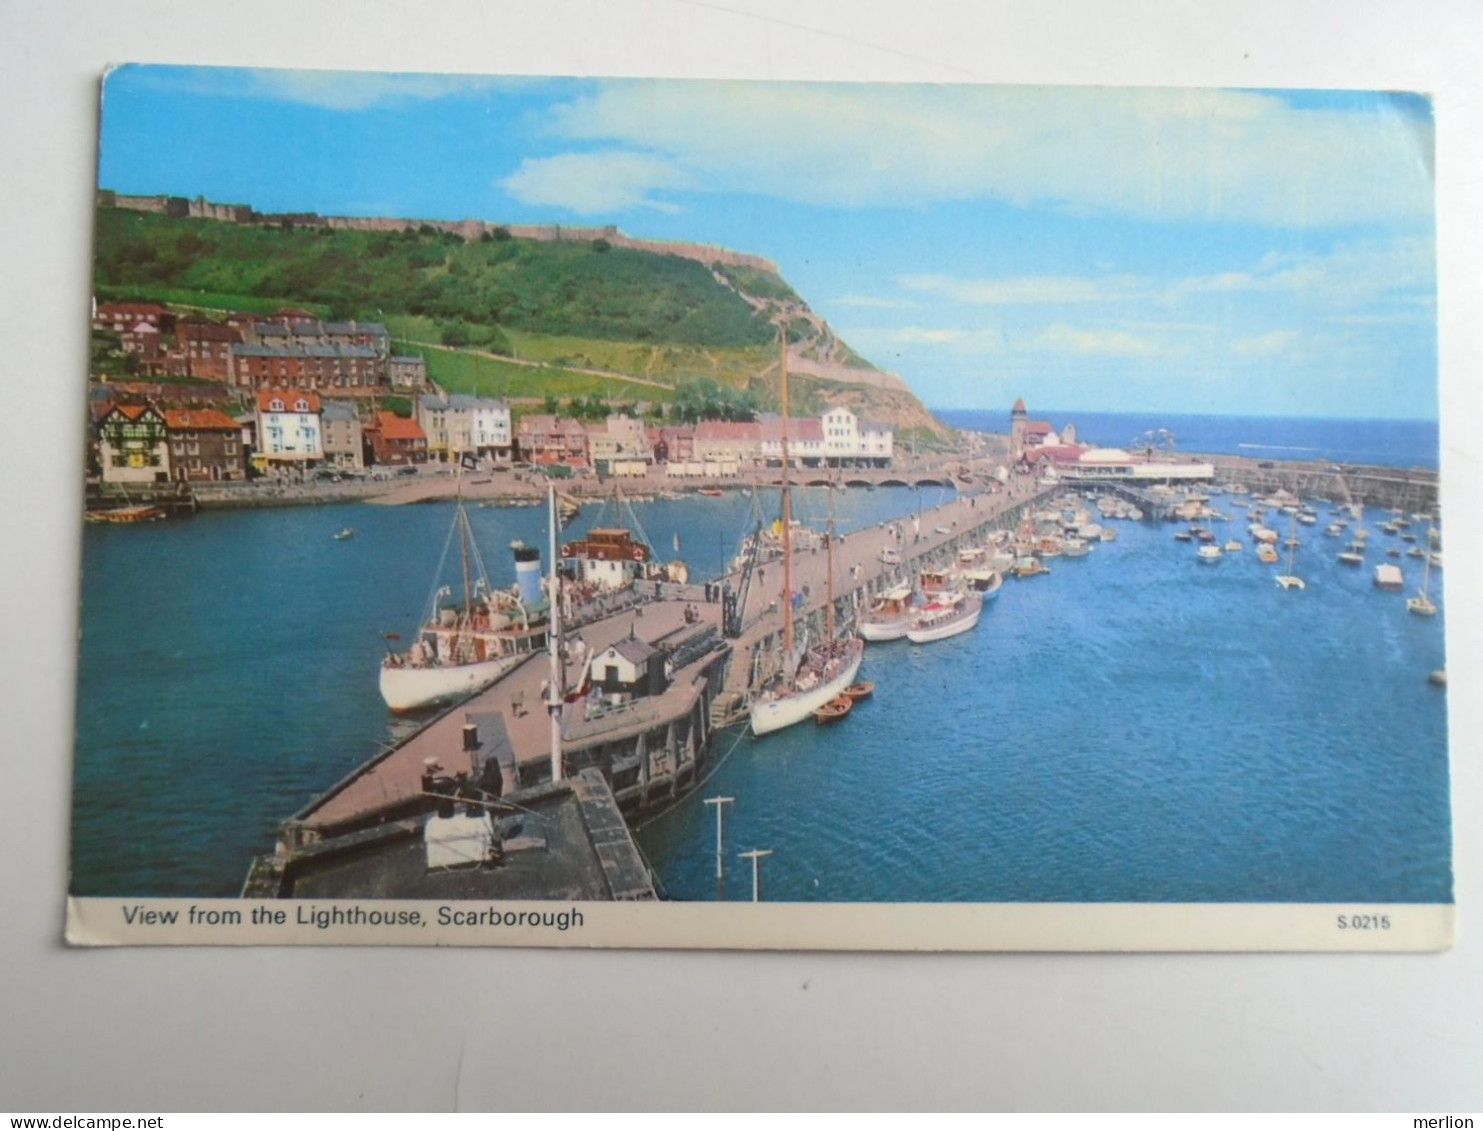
288	427
877	442
805	442
841	435
463	423
1093	464
849	440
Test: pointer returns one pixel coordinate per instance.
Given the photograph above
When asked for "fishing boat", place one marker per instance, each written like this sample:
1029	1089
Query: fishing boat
1291	580
135	512
465	647
711	492
1075	548
1266	554
806	679
1234	547
1421	604
864	689
889	615
948	614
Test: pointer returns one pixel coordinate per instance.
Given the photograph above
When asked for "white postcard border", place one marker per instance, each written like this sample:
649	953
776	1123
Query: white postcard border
992	927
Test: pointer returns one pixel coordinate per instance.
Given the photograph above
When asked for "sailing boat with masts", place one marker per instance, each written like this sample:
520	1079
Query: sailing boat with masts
1290	580
1421	604
809	678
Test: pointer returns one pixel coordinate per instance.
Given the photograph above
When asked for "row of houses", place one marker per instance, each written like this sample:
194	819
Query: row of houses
614	446
138	442
288	349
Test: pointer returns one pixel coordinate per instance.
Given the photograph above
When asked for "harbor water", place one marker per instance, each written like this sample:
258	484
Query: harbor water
1134	726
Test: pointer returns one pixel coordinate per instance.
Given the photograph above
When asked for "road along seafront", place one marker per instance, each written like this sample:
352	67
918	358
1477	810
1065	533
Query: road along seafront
562	822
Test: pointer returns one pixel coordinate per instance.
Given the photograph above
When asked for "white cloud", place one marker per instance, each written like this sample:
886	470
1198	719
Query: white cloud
1225	156
874	302
979	340
1347	274
592	183
1265	345
1094	343
1031	289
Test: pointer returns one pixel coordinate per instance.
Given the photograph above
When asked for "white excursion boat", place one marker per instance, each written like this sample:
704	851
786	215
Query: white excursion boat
462	649
889	615
946	615
807	679
1209	553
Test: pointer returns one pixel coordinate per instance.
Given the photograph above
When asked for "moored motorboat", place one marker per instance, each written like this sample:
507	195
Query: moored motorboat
863	689
889	615
947	615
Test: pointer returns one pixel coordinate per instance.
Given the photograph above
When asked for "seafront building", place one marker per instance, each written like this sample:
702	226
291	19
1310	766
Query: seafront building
619	446
289	431
133	444
394	440
205	445
461	423
546	439
344	440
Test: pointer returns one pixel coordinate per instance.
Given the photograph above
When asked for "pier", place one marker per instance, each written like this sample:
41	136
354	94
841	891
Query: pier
632	755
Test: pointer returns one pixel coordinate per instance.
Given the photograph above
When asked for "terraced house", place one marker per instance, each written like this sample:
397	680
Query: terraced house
462	423
288	429
205	444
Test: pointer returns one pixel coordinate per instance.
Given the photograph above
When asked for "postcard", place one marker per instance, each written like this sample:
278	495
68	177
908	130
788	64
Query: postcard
581	512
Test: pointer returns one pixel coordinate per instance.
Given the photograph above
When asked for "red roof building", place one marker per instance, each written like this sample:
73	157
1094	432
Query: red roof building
205	444
394	439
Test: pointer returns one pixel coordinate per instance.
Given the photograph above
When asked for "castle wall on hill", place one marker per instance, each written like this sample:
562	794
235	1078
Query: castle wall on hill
203	209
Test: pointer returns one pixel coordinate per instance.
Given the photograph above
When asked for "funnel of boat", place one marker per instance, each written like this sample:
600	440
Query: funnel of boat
528	573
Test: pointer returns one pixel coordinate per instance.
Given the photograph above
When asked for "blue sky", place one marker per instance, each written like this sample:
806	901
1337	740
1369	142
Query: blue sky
1223	251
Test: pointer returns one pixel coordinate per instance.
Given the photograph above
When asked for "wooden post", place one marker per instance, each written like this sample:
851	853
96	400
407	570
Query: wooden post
720	803
755	856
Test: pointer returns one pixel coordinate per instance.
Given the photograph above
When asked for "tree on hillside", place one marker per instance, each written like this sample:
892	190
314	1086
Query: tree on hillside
551	406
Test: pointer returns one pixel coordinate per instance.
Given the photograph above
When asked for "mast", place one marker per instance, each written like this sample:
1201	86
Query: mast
787	515
554	684
829	581
463	546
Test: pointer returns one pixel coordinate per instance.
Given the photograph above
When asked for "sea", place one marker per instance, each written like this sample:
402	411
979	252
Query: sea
1133	726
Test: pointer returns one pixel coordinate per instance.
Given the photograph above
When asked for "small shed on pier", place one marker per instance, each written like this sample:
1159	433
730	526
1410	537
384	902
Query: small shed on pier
629	666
